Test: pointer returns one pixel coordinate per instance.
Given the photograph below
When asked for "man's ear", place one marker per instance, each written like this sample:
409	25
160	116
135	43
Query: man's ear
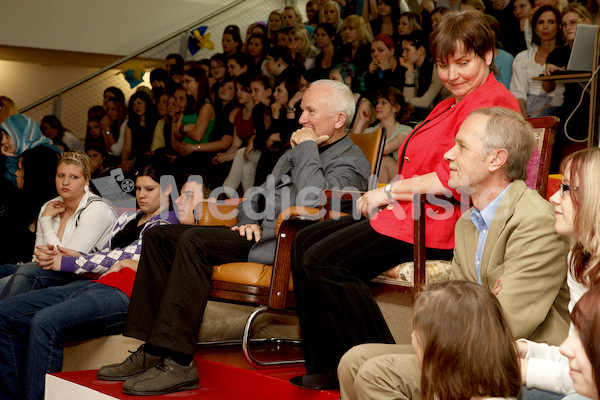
499	157
340	120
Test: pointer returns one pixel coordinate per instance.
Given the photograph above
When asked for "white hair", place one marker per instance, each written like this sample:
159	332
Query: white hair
342	99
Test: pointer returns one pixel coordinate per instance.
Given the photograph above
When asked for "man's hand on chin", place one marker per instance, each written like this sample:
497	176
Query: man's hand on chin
304	134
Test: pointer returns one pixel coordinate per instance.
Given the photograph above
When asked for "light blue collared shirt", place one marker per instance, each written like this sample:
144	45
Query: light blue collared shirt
482	221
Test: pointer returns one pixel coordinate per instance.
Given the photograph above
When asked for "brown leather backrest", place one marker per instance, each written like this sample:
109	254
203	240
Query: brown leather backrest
369	143
211	213
372	145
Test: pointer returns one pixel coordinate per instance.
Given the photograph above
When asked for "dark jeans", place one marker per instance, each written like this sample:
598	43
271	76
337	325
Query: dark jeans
538	394
331	263
29	277
35	325
173	282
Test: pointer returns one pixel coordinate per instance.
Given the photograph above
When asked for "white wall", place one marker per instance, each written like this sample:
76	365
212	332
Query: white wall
98	26
25	83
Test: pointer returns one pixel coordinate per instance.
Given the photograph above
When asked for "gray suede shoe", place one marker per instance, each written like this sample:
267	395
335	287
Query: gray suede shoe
165	377
134	365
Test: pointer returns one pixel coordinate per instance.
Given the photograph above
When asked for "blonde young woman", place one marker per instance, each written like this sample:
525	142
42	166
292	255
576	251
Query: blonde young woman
7	108
76	219
292	17
301	46
356	49
275	23
576	217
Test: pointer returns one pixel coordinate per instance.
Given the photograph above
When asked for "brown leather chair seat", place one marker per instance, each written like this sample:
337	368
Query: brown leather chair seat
246	273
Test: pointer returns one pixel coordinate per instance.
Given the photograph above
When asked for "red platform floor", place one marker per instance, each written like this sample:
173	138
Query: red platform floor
224	374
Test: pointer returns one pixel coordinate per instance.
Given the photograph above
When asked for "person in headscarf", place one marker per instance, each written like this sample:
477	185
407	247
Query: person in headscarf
20	133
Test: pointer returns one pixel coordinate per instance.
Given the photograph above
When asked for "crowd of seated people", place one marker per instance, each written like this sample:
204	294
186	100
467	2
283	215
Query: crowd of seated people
233	117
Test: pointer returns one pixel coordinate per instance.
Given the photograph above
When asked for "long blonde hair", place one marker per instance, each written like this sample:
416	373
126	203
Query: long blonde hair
584	170
7	108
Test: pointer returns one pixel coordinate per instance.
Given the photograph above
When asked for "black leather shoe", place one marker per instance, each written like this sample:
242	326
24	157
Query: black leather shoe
165	377
134	365
325	381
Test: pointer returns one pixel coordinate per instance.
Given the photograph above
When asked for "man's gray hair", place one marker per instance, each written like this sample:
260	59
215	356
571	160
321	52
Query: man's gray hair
507	129
342	99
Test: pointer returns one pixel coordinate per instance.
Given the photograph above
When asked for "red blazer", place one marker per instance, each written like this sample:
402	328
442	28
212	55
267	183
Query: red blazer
423	152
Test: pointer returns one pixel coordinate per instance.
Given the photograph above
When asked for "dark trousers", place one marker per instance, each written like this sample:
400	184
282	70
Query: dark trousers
173	282
331	263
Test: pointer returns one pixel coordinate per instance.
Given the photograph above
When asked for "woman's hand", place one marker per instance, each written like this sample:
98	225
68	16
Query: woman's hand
296	98
189	128
408	66
176	126
222	157
185	149
272	139
126	263
7	153
374	66
126	165
275	110
428	5
385	64
44	255
50	257
249	148
54	208
551	68
105	124
251	231
368	205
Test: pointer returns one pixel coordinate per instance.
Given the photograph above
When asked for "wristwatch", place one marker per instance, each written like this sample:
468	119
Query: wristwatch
107	132
388	192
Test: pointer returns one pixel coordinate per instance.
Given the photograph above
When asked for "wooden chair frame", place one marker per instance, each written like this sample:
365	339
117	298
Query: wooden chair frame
277	297
544	147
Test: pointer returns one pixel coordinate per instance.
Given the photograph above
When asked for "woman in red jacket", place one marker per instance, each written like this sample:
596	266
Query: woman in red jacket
333	260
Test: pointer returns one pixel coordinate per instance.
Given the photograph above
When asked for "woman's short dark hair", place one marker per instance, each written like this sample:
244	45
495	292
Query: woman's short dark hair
417	39
242	59
118	93
54	122
328	28
291	83
96	112
265	80
234	31
538	13
465	30
220	58
282	52
264	40
244	81
155	169
159	74
395	97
